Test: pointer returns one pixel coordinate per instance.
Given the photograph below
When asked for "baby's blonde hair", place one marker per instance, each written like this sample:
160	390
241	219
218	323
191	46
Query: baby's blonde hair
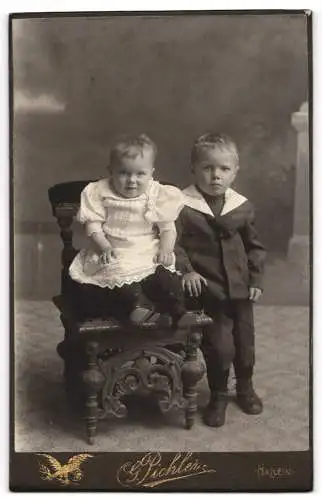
130	146
212	140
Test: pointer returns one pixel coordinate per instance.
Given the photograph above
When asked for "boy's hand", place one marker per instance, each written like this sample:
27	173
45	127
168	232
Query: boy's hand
192	283
164	257
255	294
108	255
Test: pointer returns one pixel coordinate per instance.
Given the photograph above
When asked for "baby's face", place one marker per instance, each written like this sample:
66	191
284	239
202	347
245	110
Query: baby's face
215	171
131	176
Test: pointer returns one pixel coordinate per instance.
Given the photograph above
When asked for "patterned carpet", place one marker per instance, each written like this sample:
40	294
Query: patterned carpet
44	422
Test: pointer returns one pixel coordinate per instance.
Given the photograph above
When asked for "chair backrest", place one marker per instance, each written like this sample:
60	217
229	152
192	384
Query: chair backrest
64	199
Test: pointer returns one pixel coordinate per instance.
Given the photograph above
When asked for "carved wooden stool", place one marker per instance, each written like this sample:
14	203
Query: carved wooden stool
104	361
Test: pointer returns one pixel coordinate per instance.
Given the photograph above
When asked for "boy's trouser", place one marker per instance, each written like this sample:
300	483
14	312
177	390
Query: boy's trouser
230	339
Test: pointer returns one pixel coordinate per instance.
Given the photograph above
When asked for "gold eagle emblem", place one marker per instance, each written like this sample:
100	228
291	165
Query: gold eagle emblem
65	474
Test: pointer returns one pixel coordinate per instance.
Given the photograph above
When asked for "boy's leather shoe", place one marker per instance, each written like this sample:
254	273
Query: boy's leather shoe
215	412
247	399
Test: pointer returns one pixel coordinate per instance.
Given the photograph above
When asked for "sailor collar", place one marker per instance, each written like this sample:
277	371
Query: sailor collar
195	200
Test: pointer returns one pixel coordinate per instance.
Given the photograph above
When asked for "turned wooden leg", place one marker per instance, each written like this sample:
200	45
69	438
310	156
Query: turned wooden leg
93	380
192	372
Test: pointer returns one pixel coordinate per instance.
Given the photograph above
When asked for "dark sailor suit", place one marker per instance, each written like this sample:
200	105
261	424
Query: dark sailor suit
218	240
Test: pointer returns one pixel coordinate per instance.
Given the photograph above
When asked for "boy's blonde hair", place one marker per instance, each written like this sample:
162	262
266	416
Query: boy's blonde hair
130	146
212	140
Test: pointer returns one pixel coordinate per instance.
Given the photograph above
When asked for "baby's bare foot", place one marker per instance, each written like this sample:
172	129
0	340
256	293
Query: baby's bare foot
139	315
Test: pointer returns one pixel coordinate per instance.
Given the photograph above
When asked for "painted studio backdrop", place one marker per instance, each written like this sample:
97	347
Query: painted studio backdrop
79	82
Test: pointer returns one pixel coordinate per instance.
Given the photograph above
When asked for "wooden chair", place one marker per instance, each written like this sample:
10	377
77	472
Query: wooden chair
104	362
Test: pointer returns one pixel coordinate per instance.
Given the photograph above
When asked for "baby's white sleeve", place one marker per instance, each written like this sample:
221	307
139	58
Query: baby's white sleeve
169	203
91	211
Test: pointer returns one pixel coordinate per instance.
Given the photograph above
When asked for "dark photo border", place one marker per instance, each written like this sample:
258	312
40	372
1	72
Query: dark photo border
226	472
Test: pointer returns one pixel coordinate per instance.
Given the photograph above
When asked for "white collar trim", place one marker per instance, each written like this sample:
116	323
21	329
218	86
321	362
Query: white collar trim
195	200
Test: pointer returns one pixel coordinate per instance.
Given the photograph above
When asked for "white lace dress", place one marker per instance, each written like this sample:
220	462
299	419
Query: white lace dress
131	225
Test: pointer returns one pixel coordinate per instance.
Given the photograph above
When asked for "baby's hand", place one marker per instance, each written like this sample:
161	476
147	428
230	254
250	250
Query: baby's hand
255	294
164	257
192	283
108	255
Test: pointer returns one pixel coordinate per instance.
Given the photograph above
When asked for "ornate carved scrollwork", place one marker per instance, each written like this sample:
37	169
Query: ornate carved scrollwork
156	370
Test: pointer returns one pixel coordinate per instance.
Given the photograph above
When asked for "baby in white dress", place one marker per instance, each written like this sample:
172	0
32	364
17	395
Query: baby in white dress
130	220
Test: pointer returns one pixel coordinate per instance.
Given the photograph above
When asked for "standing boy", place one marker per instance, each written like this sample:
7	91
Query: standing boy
222	261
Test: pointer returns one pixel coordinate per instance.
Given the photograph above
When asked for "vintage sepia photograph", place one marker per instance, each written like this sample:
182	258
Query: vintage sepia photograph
161	243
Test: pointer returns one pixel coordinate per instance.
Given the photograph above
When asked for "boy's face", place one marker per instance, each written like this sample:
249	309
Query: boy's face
215	170
130	177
